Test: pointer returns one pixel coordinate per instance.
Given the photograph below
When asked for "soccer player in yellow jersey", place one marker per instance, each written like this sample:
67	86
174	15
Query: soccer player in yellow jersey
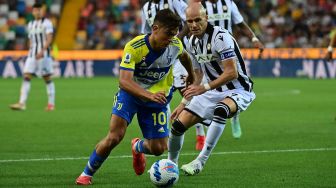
145	84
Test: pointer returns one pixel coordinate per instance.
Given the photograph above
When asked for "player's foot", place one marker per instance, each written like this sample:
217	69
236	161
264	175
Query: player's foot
17	106
235	126
139	160
200	142
50	107
192	168
84	180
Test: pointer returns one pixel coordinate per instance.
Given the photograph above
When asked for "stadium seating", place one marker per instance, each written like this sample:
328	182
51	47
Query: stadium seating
109	24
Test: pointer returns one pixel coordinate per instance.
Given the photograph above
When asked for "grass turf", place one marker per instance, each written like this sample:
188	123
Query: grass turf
287	115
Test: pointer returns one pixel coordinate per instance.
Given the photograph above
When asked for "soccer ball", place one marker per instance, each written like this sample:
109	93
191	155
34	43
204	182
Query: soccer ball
164	173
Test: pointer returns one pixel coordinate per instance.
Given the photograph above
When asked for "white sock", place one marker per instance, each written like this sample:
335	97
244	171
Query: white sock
199	129
235	118
215	131
25	88
174	147
51	92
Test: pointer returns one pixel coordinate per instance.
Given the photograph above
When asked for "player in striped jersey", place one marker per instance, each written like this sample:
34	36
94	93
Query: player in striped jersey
228	90
145	83
39	61
225	13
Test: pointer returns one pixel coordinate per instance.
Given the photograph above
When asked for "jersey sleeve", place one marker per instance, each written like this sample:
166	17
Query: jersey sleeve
180	6
128	59
235	14
224	46
48	27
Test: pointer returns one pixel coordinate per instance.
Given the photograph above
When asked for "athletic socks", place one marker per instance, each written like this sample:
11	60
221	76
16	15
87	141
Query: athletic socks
51	92
140	148
174	146
199	130
93	164
25	88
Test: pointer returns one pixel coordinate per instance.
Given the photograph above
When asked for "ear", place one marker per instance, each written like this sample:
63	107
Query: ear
155	27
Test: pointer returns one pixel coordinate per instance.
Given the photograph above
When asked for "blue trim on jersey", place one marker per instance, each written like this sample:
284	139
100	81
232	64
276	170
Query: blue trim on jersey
123	68
152	54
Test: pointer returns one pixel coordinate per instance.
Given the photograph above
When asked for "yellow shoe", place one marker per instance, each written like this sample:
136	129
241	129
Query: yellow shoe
18	106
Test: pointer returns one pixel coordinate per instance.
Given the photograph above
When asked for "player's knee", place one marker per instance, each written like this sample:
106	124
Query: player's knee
221	113
114	139
178	128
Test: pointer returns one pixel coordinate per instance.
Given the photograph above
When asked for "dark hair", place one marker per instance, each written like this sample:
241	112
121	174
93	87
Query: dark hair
37	5
167	19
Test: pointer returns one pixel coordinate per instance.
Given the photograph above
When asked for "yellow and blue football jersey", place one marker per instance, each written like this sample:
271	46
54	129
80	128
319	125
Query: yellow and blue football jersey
152	69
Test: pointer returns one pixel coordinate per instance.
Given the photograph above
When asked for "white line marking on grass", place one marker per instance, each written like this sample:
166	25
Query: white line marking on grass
182	154
278	93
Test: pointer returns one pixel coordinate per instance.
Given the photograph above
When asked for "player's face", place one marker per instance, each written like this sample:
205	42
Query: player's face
37	13
163	35
197	22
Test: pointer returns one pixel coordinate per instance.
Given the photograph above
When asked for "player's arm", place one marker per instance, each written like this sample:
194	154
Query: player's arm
238	20
127	83
187	63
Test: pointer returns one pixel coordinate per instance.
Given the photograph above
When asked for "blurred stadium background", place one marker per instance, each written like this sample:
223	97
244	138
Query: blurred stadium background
288	133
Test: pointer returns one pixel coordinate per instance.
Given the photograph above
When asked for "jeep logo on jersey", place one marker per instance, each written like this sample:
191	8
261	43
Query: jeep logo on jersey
127	58
204	58
152	74
215	17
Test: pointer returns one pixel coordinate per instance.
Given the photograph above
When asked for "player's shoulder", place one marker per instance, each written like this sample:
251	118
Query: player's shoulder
219	31
136	42
176	42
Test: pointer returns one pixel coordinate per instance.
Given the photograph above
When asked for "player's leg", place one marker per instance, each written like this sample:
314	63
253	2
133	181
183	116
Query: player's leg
176	137
200	136
235	126
50	86
154	126
29	69
123	111
222	112
46	71
116	133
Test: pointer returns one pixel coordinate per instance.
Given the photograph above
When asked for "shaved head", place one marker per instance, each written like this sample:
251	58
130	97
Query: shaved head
196	19
196	8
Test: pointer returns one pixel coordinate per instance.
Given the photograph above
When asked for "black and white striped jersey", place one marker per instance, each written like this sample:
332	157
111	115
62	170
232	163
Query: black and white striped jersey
150	9
208	52
37	34
223	13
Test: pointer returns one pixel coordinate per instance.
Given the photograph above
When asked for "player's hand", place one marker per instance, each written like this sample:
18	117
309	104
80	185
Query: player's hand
260	46
193	90
189	80
328	56
177	112
39	55
159	97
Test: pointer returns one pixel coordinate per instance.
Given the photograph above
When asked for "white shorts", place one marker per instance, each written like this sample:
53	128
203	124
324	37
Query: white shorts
39	67
180	75
204	105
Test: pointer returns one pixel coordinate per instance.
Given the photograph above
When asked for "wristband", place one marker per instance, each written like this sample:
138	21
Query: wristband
207	86
255	39
184	101
330	49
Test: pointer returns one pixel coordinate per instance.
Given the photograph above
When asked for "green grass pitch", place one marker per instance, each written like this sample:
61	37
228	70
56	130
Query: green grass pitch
289	138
